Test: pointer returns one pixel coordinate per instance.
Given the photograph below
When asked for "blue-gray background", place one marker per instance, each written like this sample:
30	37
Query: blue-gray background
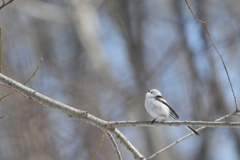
102	56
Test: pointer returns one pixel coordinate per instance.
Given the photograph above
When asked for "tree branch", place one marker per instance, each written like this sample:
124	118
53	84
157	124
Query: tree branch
5	4
82	115
235	99
204	24
101	141
115	147
116	124
26	81
88	118
193	13
201	128
125	142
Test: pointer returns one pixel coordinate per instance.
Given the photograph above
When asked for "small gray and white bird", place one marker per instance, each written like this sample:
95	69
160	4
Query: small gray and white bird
159	109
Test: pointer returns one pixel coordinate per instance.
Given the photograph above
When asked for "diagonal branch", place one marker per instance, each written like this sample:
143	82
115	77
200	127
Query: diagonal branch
88	118
5	4
82	115
201	128
115	147
236	114
126	143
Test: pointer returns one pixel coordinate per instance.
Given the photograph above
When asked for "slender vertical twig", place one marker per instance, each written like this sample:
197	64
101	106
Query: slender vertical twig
101	141
204	23
193	13
224	67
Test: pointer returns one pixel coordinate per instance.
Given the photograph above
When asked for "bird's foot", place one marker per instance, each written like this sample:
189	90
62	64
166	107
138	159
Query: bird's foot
153	120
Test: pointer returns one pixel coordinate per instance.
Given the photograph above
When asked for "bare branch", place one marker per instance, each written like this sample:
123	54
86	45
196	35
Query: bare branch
116	124
115	147
26	81
82	115
193	13
201	128
101	141
122	139
236	114
224	67
5	4
88	118
203	22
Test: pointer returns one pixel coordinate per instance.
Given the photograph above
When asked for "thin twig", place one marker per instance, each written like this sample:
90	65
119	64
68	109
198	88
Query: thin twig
201	128
236	114
115	147
101	141
203	22
5	4
126	143
34	72
193	13
26	81
224	67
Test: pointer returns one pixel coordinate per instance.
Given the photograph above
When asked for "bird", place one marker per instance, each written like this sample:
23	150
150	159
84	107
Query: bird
159	108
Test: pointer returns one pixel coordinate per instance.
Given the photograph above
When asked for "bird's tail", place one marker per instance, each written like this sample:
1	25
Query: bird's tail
195	132
191	129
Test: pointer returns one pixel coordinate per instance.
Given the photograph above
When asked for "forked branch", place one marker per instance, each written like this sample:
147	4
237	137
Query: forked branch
5	4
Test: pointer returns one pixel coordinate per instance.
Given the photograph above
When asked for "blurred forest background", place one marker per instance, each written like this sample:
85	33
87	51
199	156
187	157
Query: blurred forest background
102	56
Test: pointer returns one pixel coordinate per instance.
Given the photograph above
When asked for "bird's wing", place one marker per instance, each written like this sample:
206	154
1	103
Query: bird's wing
173	114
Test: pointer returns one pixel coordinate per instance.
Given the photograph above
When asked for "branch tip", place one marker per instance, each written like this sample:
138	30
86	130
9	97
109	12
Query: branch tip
194	14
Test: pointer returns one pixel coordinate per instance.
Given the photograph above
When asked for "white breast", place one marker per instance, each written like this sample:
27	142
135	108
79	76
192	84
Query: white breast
156	109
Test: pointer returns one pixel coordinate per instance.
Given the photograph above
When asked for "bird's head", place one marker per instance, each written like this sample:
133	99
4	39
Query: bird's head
153	93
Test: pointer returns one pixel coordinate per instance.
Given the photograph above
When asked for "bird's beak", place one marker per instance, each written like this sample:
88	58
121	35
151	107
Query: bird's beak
148	91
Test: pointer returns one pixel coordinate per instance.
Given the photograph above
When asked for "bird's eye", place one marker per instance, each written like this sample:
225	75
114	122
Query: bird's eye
151	92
